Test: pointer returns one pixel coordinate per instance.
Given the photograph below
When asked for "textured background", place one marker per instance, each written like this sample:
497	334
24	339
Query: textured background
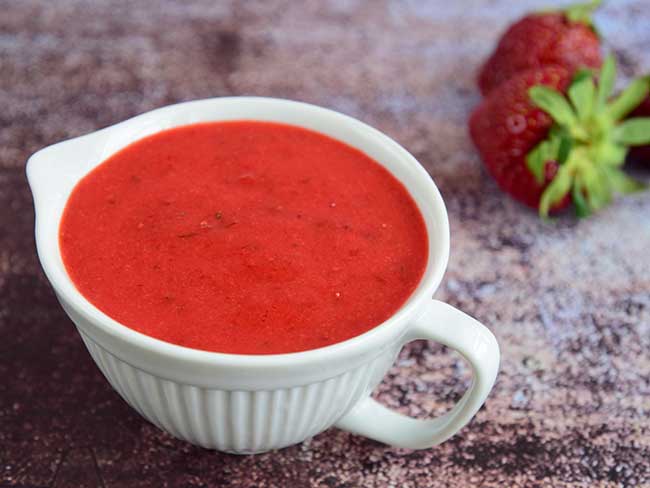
569	301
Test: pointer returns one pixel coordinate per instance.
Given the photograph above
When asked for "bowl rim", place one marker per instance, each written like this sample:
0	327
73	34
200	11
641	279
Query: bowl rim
373	339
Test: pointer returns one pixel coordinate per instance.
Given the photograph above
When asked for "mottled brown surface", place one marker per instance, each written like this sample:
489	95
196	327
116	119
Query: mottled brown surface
569	301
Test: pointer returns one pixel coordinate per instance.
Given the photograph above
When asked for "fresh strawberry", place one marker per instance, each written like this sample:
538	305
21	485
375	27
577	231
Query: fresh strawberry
563	38
507	126
545	148
641	153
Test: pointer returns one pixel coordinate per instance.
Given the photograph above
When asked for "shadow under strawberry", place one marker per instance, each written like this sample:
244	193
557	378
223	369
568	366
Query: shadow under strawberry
641	155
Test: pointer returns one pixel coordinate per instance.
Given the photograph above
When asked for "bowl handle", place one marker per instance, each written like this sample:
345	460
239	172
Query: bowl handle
451	327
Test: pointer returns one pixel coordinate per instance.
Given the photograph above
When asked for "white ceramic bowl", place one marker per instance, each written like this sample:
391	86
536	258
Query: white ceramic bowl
253	403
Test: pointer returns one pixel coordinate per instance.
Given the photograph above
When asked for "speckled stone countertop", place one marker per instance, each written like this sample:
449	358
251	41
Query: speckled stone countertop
569	301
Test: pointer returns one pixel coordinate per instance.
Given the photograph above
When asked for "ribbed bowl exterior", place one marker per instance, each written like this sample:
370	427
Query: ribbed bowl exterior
233	403
239	421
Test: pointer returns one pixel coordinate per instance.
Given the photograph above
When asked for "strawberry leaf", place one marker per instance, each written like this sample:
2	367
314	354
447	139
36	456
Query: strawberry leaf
622	183
606	80
581	74
598	190
582	12
609	154
630	98
581	93
580	204
553	103
559	187
564	149
536	159
633	132
555	148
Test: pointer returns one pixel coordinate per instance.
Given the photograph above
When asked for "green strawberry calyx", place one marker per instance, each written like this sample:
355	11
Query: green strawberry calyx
582	12
578	13
589	139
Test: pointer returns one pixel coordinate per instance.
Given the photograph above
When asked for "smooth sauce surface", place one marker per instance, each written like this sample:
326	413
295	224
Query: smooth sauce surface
244	237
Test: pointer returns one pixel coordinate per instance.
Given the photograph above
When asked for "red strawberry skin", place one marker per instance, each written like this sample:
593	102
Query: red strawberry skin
641	153
506	126
537	40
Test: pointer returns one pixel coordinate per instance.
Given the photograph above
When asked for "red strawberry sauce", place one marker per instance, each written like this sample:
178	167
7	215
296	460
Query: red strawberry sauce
243	237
